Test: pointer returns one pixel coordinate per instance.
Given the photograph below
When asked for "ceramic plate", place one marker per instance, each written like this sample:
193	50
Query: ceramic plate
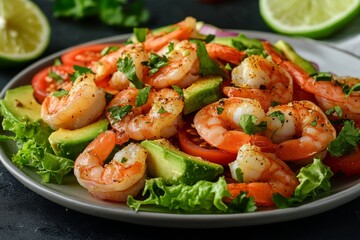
73	196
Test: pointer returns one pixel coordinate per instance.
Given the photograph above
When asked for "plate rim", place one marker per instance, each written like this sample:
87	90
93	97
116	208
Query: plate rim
126	214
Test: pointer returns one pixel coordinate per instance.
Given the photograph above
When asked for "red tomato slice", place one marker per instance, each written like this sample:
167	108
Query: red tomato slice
348	165
187	136
50	79
84	55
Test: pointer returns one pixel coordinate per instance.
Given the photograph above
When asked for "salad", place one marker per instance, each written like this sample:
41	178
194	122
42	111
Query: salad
188	118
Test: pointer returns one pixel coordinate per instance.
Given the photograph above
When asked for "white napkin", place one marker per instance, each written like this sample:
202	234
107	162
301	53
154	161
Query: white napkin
348	38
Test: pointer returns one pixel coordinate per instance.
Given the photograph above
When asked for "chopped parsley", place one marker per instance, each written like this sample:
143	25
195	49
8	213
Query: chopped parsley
346	141
156	62
79	70
119	112
248	124
142	96
127	66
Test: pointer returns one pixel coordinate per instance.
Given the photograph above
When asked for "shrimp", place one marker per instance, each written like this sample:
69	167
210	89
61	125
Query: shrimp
262	175
259	78
181	69
160	116
82	104
331	91
106	67
180	31
124	175
301	129
225	53
218	124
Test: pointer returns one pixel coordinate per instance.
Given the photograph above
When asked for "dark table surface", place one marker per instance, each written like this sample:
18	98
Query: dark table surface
27	215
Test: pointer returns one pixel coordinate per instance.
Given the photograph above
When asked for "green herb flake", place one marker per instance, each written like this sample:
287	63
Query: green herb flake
219	110
55	76
108	50
57	62
178	90
156	62
346	141
140	34
142	96
321	76
127	66
248	124
60	93
279	115
337	110
79	70
162	110
239	175
170	47
207	65
348	90
119	112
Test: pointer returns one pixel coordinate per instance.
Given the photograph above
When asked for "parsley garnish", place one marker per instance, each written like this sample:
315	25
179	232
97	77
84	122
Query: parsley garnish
108	50
336	110
142	96
79	70
178	90
119	112
248	123
60	93
346	141
156	62
321	76
219	110
279	115
162	110
140	34
55	76
207	65
127	66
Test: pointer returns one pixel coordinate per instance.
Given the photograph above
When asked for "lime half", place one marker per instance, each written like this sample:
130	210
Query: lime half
309	18
24	32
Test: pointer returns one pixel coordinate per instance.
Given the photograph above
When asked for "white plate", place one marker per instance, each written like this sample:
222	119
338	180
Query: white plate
73	196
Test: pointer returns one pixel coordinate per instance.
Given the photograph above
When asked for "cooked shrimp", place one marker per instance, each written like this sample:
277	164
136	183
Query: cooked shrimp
124	175
261	79
180	31
161	116
181	69
225	53
107	65
300	128
262	175
332	90
82	105
218	124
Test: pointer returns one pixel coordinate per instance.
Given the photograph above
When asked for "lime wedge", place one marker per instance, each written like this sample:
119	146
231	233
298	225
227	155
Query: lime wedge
309	18
24	32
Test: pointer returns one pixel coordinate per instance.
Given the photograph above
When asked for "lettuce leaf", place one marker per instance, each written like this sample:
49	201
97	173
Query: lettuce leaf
31	138
314	181
203	196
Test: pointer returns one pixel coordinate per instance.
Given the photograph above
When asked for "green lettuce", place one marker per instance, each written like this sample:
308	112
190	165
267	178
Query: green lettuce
202	197
314	180
31	138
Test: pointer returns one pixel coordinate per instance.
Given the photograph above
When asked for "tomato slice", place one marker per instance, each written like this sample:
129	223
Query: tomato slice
347	165
50	79
84	55
191	143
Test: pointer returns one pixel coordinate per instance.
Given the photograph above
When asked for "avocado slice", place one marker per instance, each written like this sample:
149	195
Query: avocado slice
19	104
204	91
175	166
294	57
70	143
